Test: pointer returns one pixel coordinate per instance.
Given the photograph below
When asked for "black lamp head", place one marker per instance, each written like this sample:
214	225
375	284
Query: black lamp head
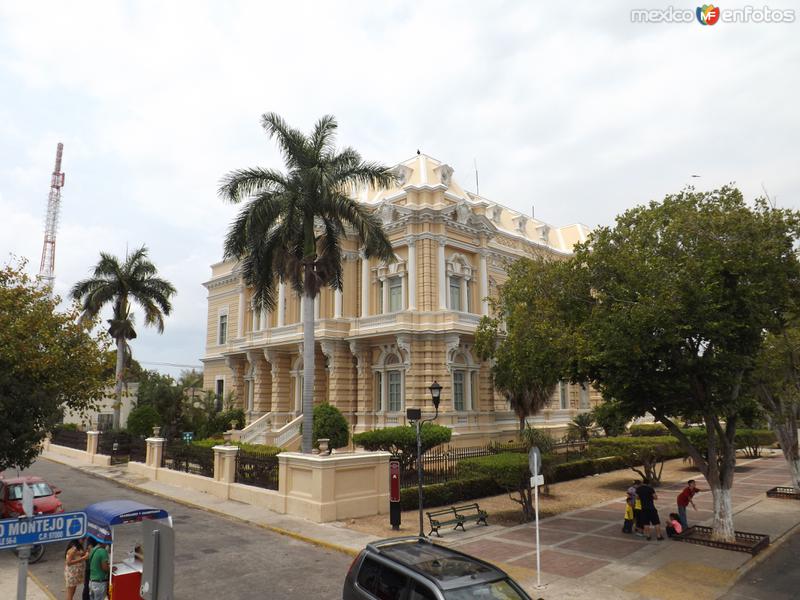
436	393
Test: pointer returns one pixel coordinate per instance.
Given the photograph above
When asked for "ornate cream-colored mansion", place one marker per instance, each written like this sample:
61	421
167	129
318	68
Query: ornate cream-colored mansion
395	328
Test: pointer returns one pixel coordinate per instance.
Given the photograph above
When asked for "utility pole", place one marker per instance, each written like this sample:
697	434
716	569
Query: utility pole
48	264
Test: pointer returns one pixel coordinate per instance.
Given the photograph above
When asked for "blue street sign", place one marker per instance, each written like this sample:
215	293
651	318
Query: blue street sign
42	529
188	436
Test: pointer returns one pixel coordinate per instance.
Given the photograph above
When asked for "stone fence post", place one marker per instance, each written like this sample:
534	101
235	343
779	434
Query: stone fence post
92	441
155	452
225	463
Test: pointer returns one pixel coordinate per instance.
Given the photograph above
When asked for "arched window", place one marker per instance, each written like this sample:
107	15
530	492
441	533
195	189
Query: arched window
297	385
459	283
390	384
465	382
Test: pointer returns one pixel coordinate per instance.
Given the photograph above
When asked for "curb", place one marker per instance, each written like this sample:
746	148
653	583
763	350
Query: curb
279	530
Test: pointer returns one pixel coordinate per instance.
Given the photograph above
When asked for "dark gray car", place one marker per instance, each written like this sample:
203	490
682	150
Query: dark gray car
413	568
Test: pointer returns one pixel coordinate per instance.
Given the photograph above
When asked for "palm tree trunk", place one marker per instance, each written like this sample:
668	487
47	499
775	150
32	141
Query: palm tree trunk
308	373
118	372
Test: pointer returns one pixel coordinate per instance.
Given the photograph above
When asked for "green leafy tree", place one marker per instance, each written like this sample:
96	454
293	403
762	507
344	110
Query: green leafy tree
47	360
329	422
776	383
611	417
670	306
292	225
166	397
645	455
509	471
122	284
524	340
142	419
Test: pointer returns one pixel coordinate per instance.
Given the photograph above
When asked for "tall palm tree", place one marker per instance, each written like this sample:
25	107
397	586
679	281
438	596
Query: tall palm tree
119	284
292	224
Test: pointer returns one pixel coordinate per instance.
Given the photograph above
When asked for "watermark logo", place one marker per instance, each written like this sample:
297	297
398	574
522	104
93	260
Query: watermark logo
708	14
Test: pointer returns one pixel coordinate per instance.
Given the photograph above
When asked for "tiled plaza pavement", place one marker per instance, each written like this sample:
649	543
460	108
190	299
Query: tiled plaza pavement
587	541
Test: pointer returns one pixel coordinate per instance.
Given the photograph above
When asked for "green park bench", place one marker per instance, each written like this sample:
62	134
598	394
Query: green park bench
443	518
471	512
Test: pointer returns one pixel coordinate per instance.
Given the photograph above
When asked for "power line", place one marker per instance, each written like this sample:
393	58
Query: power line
168	364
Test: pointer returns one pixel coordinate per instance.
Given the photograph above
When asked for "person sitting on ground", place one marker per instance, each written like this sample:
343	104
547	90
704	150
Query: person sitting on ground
674	526
649	514
685	499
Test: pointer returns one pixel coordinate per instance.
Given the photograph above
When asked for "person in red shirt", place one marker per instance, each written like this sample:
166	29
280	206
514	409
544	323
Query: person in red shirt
685	499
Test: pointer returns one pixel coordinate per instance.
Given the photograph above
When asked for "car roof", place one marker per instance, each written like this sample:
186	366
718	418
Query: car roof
446	567
26	479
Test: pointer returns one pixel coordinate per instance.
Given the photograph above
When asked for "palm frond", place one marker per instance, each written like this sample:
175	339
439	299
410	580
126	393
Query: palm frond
292	143
241	184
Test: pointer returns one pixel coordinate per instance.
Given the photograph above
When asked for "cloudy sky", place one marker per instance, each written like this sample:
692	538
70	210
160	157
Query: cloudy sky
570	107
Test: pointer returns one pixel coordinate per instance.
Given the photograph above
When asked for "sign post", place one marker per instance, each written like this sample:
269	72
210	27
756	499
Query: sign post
537	479
25	532
394	494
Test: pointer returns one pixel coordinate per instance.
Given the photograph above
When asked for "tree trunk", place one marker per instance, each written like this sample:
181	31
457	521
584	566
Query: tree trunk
118	372
787	436
723	515
308	373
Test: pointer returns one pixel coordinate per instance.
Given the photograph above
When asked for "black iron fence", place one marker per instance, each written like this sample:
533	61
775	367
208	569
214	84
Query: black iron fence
180	456
257	469
69	438
121	447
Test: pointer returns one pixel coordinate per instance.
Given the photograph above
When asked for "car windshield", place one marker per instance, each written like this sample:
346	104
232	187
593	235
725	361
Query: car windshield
39	489
495	590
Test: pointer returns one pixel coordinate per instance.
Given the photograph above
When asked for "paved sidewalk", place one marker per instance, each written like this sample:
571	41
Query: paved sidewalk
584	553
8	580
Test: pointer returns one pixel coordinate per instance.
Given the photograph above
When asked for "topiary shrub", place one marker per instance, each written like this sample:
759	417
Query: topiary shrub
402	441
221	422
751	441
330	423
142	419
509	471
648	430
647	452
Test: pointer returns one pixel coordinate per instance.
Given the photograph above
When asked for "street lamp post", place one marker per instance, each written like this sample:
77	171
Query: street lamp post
415	414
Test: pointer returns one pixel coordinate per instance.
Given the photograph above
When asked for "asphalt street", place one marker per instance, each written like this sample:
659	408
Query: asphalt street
777	578
215	557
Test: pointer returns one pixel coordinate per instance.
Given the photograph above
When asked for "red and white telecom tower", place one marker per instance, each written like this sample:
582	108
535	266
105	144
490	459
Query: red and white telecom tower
48	265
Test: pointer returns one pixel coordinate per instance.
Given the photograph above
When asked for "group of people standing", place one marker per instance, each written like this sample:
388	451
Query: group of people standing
88	565
641	513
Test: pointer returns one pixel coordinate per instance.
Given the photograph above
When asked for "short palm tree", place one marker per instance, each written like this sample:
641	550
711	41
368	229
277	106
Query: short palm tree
292	224
119	284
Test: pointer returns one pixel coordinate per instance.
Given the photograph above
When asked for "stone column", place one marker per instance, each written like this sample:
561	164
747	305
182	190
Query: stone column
316	307
242	313
92	440
464	300
280	366
403	290
264	319
281	304
236	365
364	285
385	295
441	273
412	275
225	463
484	284
155	452
337	304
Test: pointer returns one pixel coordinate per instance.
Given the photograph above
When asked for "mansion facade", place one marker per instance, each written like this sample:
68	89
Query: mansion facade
393	329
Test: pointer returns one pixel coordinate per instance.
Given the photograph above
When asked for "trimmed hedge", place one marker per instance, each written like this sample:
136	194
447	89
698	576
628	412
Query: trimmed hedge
255	448
330	423
648	430
449	493
577	469
667	446
402	441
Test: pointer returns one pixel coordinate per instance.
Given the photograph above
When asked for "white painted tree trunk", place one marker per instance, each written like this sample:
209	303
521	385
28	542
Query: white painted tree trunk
794	467
118	372
308	373
723	515
787	436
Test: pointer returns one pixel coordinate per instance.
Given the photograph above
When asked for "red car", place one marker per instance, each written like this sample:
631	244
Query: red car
44	497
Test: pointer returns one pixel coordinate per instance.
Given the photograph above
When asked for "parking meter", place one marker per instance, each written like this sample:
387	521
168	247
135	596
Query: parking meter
394	494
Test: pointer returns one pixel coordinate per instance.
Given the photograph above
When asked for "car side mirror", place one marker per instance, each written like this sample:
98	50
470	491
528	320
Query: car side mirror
56	491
